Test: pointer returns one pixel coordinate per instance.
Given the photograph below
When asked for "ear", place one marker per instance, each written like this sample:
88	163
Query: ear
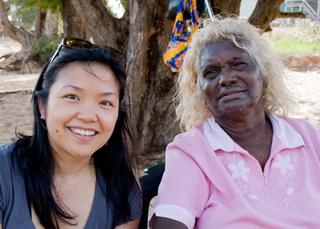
41	107
265	84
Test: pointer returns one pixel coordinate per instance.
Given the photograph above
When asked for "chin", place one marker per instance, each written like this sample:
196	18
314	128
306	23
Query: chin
233	111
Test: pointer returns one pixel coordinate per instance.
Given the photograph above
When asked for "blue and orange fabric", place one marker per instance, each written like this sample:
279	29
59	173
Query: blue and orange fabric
180	36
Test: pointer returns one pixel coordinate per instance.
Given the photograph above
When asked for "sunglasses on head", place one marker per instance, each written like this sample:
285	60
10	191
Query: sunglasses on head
80	43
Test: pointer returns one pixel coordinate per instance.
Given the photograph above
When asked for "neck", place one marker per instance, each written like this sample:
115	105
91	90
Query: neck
72	167
245	126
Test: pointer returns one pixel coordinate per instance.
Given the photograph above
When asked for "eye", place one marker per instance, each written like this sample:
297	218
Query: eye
239	65
105	103
212	73
72	97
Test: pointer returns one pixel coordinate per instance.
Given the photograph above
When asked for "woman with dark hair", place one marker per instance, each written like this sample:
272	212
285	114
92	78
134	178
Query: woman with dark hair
75	170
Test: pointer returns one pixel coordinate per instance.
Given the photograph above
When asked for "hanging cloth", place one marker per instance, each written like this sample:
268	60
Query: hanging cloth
204	9
181	35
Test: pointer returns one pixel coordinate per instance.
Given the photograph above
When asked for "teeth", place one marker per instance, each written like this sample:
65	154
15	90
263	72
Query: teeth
82	132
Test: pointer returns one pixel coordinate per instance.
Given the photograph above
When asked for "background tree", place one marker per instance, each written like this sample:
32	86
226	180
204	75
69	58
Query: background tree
143	34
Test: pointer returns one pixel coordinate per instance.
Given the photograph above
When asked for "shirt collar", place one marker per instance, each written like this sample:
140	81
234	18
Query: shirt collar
219	139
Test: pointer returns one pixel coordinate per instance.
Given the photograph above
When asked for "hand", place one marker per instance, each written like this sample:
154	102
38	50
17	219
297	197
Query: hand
165	223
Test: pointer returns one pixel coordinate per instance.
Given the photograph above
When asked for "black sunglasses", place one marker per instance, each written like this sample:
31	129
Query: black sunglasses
80	43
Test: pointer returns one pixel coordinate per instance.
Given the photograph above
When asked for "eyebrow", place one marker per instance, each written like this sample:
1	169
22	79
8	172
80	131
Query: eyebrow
80	89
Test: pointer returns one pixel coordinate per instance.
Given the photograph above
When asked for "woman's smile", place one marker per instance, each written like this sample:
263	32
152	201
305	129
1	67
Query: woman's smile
82	110
83	132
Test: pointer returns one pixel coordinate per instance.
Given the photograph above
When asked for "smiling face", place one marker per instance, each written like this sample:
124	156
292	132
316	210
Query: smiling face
229	80
82	110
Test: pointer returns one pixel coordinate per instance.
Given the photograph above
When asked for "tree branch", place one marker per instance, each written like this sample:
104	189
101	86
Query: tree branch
97	20
19	35
291	15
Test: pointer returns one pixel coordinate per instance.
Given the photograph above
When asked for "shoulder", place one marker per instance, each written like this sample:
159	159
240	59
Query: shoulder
303	127
6	161
310	134
7	148
5	154
192	138
7	173
190	149
299	123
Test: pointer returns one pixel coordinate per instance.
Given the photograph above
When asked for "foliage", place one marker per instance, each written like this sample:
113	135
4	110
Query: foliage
22	12
44	47
300	38
20	15
116	7
53	5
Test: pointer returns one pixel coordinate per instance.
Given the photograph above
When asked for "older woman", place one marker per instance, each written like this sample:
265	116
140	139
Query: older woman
75	170
242	163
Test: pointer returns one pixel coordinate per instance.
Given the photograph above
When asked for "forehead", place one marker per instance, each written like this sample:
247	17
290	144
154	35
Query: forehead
223	50
77	71
93	77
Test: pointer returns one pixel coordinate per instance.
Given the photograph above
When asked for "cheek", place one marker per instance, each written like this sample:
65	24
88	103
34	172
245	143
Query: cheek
207	89
109	121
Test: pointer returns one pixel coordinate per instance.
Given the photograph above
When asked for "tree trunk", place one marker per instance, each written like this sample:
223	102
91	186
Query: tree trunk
98	21
18	34
39	23
268	10
51	24
151	84
143	34
226	7
72	24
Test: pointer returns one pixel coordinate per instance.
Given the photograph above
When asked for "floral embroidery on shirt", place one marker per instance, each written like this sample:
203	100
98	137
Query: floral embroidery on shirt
283	164
290	191
239	171
254	197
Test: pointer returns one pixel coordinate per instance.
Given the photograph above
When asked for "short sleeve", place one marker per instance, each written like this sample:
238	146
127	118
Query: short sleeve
184	189
135	203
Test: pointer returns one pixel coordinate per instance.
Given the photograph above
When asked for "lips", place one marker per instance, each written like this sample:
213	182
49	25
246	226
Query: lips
83	132
231	94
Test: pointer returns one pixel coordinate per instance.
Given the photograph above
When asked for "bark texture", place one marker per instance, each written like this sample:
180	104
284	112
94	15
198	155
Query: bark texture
39	22
268	10
51	24
98	21
72	24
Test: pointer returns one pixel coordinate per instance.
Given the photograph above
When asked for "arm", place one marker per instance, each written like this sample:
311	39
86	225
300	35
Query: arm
179	197
165	223
130	225
0	226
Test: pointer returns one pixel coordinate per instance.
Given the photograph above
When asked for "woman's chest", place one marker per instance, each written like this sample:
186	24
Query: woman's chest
288	187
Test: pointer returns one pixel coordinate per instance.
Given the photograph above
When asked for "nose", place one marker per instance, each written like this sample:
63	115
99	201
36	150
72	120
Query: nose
87	111
227	77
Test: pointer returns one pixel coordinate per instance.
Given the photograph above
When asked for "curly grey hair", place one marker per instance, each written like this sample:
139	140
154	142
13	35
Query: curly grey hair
192	109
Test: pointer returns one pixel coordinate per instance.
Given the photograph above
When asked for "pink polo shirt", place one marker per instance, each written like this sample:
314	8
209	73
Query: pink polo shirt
211	182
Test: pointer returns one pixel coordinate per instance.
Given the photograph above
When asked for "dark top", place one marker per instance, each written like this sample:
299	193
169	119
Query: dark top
14	212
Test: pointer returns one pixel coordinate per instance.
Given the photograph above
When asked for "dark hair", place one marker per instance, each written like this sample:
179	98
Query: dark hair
35	155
